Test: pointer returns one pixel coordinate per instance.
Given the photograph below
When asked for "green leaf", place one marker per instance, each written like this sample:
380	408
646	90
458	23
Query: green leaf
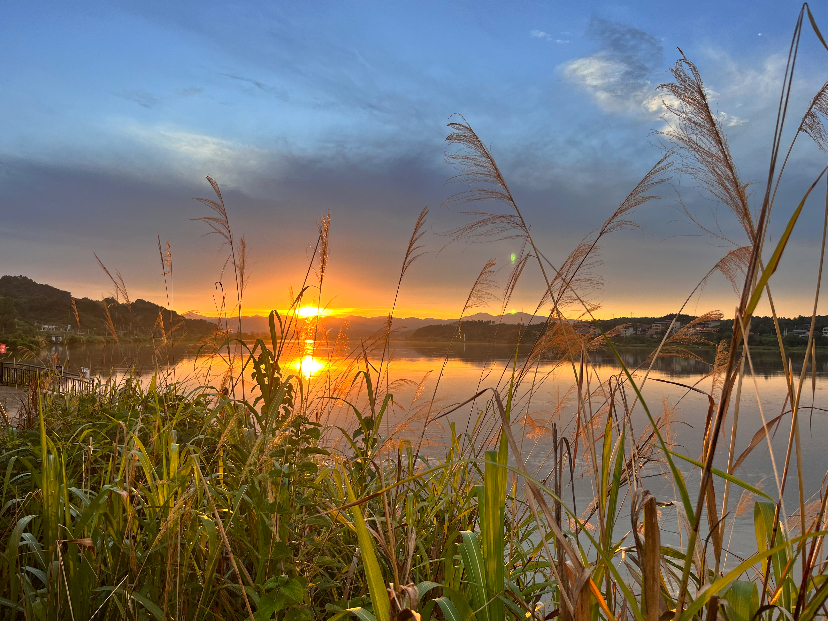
716	587
154	610
743	600
773	263
475	571
360	613
373	574
724	475
460	603
493	529
449	611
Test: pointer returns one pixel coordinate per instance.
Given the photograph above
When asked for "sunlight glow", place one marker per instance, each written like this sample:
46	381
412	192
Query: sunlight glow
309	366
311	311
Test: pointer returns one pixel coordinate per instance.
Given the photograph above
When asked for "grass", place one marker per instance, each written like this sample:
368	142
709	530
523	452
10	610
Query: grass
293	498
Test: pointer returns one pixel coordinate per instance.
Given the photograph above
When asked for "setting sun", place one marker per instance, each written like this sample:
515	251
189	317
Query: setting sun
311	311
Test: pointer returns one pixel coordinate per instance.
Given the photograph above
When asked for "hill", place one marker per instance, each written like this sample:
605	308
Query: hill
29	308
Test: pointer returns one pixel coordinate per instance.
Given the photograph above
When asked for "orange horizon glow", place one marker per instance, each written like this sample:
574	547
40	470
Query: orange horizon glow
307	312
312	311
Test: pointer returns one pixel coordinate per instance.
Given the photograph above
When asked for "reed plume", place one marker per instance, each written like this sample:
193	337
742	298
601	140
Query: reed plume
110	325
482	291
117	281
324	226
220	225
75	312
702	144
812	123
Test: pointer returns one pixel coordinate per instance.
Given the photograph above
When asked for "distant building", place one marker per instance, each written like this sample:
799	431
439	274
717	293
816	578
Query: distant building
625	331
658	328
584	328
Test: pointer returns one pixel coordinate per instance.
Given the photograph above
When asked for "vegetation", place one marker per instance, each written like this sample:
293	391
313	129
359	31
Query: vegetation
29	310
294	497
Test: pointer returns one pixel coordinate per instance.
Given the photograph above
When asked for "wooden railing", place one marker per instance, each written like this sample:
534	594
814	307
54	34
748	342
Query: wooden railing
24	375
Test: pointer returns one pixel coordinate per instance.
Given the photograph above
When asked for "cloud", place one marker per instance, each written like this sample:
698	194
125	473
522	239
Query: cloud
540	34
730	120
266	88
620	75
193	154
190	91
142	98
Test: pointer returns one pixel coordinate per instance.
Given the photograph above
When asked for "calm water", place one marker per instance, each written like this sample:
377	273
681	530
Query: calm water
546	396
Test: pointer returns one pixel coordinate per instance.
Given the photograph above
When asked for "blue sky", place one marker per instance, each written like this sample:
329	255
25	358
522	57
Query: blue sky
113	113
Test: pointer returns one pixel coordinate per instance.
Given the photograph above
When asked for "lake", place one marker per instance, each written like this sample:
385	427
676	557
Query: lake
453	374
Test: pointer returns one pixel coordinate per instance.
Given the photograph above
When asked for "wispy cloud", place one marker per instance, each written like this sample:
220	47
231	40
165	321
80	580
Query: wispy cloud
266	88
540	34
197	154
142	98
191	91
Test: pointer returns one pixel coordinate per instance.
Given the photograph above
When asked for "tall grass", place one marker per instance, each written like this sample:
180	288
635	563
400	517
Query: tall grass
318	500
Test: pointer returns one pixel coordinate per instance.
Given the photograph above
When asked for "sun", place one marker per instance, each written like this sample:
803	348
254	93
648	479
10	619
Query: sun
311	311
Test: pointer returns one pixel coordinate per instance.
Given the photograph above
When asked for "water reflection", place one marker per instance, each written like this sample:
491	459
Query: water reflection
311	357
308	363
545	397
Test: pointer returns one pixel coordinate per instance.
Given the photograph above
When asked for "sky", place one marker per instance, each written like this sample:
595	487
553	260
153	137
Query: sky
113	113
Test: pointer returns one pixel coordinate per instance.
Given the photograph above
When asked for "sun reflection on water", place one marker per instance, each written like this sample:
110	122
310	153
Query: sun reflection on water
307	363
309	366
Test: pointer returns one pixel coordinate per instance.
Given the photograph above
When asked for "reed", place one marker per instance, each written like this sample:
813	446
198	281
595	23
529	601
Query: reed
301	500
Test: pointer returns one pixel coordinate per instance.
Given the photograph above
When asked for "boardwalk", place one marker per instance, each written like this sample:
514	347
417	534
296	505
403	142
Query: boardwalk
11	400
23	375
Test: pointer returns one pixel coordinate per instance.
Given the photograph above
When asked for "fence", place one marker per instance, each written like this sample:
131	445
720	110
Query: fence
24	375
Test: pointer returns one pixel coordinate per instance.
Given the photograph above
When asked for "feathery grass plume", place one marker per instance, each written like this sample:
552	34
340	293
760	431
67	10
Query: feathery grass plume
75	312
692	333
639	196
812	123
480	172
324	226
244	256
718	368
117	281
521	259
166	270
220	225
412	252
110	325
482	292
575	278
734	266
702	144
159	323
583	257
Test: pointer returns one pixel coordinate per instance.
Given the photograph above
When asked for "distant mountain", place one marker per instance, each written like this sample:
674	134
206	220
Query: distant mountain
26	306
359	327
